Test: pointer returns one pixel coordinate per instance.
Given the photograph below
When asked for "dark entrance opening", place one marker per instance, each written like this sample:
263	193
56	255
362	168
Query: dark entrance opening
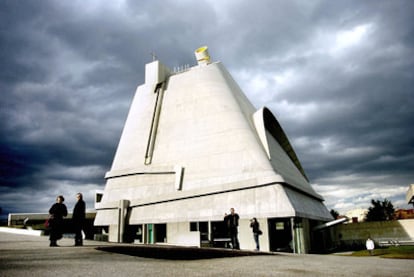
280	234
160	232
321	239
132	233
219	234
202	227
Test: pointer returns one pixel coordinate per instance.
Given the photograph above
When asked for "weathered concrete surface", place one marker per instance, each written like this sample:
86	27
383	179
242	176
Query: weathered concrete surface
23	255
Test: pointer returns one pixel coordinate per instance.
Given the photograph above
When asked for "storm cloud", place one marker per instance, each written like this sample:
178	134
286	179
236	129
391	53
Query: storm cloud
338	75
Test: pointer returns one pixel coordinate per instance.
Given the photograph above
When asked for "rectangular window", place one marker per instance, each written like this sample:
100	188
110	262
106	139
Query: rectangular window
193	226
280	225
201	226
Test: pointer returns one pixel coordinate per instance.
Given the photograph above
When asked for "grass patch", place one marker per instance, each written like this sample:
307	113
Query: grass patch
392	252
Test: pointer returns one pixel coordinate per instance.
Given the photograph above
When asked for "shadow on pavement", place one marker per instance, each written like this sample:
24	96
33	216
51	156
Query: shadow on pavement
178	253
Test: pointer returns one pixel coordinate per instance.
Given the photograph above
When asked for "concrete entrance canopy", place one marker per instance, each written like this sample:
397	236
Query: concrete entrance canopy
193	146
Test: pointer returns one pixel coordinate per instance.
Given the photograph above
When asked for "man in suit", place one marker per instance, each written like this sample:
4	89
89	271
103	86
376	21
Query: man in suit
78	219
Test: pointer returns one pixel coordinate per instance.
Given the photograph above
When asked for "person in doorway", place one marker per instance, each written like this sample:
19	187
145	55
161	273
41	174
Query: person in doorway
78	219
254	224
232	222
370	246
56	214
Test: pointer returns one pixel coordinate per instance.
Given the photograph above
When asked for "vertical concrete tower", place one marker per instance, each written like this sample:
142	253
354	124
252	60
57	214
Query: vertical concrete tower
193	146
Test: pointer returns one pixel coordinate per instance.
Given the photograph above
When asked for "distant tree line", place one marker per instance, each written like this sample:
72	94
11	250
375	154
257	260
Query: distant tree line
379	211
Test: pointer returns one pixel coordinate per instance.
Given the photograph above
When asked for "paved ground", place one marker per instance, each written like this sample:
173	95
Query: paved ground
24	255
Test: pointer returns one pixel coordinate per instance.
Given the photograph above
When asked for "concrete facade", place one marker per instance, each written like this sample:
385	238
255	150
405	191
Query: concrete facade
193	146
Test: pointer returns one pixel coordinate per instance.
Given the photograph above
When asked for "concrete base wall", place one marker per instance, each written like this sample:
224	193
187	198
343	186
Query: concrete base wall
179	234
357	233
113	233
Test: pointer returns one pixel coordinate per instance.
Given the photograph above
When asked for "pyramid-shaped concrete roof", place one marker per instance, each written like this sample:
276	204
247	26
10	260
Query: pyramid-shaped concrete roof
193	137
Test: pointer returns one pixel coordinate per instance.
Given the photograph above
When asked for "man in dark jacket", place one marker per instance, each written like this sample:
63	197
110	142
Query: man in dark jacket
56	214
78	219
232	222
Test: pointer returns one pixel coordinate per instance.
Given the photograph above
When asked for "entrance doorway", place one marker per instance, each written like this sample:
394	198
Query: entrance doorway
219	234
280	234
202	227
160	232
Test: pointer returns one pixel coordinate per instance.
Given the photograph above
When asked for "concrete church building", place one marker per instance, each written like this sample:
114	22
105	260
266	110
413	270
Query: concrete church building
193	147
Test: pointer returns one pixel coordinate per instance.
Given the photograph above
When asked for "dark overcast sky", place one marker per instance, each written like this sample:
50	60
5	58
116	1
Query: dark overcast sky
338	75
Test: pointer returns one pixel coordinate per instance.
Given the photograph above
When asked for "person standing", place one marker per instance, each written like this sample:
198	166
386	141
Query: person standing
370	246
254	224
78	218
56	214
232	222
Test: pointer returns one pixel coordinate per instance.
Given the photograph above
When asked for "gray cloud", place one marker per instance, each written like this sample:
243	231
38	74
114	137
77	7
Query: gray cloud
338	75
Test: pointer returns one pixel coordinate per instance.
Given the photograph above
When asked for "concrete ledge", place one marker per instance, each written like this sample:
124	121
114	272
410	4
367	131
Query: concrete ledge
29	232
